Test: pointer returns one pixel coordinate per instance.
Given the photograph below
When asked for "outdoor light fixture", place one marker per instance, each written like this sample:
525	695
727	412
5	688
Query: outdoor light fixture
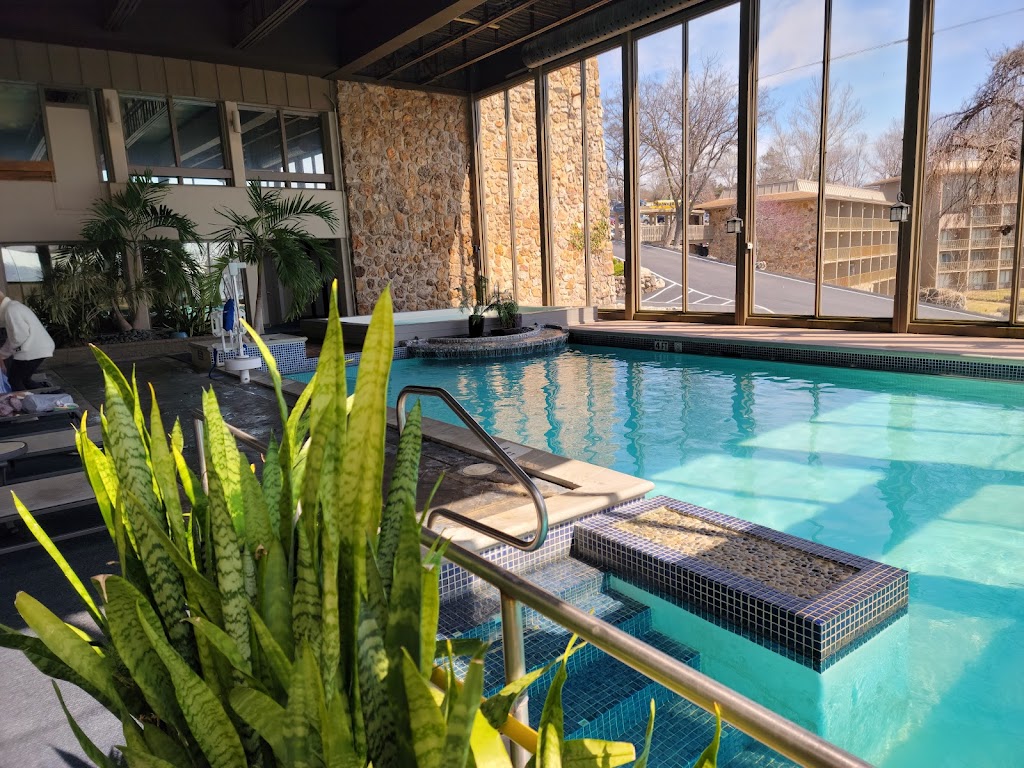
900	211
734	225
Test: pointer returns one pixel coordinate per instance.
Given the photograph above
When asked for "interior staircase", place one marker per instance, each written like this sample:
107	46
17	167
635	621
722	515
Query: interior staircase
603	698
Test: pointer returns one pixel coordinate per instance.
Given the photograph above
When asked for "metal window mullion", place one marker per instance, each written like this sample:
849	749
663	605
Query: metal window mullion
175	146
547	265
511	196
630	161
483	264
684	158
915	142
746	154
1018	244
819	258
284	144
584	111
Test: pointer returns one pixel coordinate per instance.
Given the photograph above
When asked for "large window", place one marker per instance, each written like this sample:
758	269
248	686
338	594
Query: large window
969	237
22	132
24	268
829	249
284	148
605	194
179	140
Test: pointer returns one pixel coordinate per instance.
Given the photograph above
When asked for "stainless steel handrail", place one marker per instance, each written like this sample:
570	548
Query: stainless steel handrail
767	727
541	530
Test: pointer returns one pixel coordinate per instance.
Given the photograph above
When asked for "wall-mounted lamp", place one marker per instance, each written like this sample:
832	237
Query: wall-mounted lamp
734	225
236	121
900	211
113	113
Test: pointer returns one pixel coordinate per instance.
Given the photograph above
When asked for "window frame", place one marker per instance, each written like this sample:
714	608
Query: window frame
31	170
176	171
289	179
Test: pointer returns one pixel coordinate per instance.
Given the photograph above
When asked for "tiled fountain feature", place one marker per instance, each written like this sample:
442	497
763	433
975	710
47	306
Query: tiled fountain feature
527	342
809	599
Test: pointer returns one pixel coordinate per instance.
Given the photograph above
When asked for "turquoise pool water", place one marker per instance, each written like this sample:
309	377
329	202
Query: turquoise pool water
921	472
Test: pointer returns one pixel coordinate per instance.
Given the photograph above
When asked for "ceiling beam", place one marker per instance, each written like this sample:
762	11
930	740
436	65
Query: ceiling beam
594	5
261	17
368	33
484	24
119	12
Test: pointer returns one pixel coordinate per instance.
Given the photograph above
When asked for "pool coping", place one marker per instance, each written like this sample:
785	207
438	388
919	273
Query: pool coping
816	629
589	488
774	350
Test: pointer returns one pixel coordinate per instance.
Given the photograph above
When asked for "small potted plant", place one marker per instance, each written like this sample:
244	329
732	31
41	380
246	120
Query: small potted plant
507	310
475	300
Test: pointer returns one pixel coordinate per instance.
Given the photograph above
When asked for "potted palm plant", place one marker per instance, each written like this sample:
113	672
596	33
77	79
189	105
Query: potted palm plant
507	309
275	232
474	300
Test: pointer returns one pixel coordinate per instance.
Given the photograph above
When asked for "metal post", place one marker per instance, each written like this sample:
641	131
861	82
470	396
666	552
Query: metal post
630	162
197	425
514	653
746	154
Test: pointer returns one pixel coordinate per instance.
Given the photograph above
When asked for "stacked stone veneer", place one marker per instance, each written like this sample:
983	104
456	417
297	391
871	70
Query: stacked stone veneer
566	118
407	177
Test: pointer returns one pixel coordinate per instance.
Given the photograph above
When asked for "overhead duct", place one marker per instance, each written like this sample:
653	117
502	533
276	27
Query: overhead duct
601	25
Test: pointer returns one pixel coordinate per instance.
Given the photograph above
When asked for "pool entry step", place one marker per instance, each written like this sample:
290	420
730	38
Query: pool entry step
809	601
603	698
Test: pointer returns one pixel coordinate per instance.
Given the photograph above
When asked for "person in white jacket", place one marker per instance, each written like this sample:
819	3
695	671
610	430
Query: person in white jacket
28	343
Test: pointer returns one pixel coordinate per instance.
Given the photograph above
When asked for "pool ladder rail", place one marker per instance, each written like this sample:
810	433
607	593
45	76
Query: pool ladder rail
541	529
757	721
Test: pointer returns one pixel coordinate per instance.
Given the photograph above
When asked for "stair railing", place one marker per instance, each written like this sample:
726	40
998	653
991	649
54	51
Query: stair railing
758	722
541	529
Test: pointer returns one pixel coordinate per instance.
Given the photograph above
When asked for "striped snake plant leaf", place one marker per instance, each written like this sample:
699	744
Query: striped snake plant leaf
486	745
223	643
306	603
177	438
43	659
375	589
462	715
401	494
585	753
258	531
382	737
339	744
138	759
134	472
55	554
302	715
645	755
90	749
112	372
201	592
208	722
263	715
709	757
136	406
275	595
271	485
550	732
403	627
275	375
426	722
101	476
280	663
430	613
364	468
132	646
459	646
165	475
497	707
222	459
68	645
230	570
164	746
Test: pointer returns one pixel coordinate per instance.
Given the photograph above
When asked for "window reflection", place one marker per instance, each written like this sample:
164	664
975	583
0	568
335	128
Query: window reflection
22	135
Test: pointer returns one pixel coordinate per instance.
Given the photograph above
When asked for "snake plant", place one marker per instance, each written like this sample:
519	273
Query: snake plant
285	620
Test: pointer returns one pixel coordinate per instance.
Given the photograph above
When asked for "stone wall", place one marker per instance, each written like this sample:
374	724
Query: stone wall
406	158
565	140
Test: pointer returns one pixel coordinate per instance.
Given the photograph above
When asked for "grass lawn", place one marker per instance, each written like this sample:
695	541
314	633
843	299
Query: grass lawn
995	303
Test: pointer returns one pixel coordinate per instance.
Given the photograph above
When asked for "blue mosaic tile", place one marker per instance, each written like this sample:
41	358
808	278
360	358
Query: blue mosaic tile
839	358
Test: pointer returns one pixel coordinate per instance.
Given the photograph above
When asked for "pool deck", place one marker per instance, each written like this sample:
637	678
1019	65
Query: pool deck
731	340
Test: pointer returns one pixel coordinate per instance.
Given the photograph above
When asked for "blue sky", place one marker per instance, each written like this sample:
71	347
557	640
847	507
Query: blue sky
868	49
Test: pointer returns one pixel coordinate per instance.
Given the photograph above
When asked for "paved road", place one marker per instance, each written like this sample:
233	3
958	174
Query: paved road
712	288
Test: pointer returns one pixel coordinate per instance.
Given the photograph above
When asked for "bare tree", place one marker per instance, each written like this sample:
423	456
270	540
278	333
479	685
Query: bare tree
887	162
977	149
793	151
